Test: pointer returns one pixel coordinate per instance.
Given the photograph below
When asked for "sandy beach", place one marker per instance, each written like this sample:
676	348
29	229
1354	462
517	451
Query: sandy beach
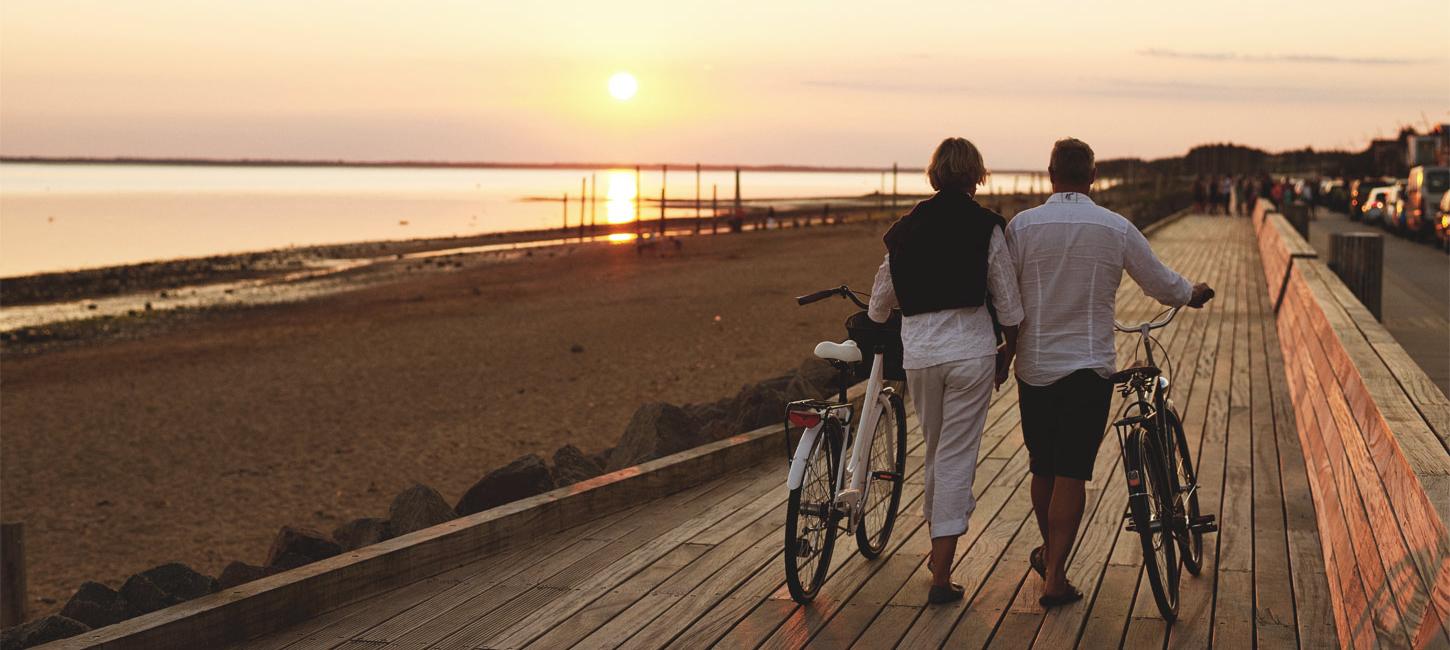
196	442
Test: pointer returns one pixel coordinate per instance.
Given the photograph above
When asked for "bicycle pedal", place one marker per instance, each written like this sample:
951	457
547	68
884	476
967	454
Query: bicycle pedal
1204	524
1153	526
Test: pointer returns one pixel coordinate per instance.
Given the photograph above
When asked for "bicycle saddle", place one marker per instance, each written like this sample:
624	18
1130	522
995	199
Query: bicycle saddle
1125	374
848	352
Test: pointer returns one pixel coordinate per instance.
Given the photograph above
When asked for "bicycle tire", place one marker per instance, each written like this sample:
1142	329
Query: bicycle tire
1159	560
884	482
1190	541
811	509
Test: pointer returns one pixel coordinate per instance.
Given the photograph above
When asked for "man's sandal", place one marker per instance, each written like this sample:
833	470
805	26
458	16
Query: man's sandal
1050	601
1038	560
948	594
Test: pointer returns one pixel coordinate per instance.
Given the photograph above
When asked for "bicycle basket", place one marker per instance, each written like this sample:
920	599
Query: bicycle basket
873	337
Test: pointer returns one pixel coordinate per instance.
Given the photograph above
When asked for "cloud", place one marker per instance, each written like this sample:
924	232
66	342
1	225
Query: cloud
1328	59
889	87
1127	88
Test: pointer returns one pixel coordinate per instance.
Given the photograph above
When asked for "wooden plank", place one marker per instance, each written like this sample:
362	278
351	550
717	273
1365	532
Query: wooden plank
1273	593
275	602
1331	493
623	609
1314	618
1212	438
934	624
489	593
1107	620
538	621
885	629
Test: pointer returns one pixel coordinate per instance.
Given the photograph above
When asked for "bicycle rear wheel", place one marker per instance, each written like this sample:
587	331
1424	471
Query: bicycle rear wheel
1147	485
1185	507
883	485
810	521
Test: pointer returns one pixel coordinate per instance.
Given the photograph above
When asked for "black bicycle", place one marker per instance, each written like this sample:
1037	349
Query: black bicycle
1158	464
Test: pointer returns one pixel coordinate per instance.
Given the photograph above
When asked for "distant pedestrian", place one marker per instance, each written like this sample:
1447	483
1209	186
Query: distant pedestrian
1200	195
1225	193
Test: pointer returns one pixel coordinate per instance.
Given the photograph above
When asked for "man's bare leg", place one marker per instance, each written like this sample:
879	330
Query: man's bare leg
1064	515
1041	501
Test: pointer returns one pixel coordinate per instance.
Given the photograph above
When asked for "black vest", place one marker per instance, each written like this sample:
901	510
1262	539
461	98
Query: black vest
939	254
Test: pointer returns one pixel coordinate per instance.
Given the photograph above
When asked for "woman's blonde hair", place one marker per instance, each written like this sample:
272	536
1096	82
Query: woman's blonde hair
956	165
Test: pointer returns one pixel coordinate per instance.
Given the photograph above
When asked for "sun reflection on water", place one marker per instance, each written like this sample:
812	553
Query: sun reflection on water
621	206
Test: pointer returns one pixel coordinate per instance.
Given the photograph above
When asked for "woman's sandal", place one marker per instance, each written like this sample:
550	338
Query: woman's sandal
1038	560
950	593
1050	601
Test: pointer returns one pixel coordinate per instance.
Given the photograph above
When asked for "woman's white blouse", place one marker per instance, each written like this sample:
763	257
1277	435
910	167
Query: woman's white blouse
950	335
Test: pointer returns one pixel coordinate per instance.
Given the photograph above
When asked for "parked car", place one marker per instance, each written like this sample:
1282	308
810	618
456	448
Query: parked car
1394	217
1359	190
1442	226
1423	190
1377	204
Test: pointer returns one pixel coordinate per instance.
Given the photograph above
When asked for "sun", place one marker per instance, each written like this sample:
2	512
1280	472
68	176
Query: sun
623	86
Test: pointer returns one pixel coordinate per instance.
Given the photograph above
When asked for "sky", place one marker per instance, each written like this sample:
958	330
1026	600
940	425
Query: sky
747	81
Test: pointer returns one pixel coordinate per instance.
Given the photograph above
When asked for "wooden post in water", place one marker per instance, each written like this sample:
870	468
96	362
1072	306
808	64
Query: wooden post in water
881	194
697	198
638	204
583	205
12	574
593	199
893	187
566	214
1358	259
664	175
737	219
714	208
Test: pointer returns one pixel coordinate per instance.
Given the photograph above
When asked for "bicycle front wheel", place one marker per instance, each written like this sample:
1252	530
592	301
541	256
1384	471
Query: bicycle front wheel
887	474
1185	484
810	521
1147	483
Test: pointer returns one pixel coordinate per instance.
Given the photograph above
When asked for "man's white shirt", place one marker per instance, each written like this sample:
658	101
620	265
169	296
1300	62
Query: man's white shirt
1070	255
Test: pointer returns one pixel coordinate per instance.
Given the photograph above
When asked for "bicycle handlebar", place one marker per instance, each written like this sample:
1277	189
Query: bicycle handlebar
817	296
1157	324
1152	325
843	291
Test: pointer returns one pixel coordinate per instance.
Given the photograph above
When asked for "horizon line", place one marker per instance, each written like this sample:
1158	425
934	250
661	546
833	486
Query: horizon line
445	164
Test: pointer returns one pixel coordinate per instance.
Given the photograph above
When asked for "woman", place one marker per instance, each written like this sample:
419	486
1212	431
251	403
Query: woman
944	262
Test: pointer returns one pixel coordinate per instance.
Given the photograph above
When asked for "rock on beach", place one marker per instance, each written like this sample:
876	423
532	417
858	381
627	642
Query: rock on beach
416	508
523	478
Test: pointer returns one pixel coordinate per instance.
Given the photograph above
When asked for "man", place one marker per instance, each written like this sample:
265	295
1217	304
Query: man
1070	255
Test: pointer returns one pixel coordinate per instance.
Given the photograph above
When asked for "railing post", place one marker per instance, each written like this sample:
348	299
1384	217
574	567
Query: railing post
1358	259
12	574
1298	216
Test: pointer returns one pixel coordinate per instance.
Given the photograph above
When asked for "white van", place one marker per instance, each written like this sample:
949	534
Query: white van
1423	190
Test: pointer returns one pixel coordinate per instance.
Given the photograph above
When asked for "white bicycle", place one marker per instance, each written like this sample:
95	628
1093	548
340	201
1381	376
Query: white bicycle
829	494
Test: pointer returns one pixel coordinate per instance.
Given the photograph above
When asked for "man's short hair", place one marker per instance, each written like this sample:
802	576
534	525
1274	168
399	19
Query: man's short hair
1072	162
956	165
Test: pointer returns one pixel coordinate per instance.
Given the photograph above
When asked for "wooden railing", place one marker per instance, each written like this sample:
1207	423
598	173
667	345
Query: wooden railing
1374	431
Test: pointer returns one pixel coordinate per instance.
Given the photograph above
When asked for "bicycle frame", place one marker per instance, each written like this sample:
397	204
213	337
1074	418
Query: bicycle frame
851	474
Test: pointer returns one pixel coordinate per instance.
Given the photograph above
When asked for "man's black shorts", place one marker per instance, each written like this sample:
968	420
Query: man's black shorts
1063	423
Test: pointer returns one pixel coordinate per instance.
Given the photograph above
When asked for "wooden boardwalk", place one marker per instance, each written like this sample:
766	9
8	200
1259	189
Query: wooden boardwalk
702	567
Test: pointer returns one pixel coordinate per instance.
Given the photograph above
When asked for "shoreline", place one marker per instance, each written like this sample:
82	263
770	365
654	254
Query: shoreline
38	309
